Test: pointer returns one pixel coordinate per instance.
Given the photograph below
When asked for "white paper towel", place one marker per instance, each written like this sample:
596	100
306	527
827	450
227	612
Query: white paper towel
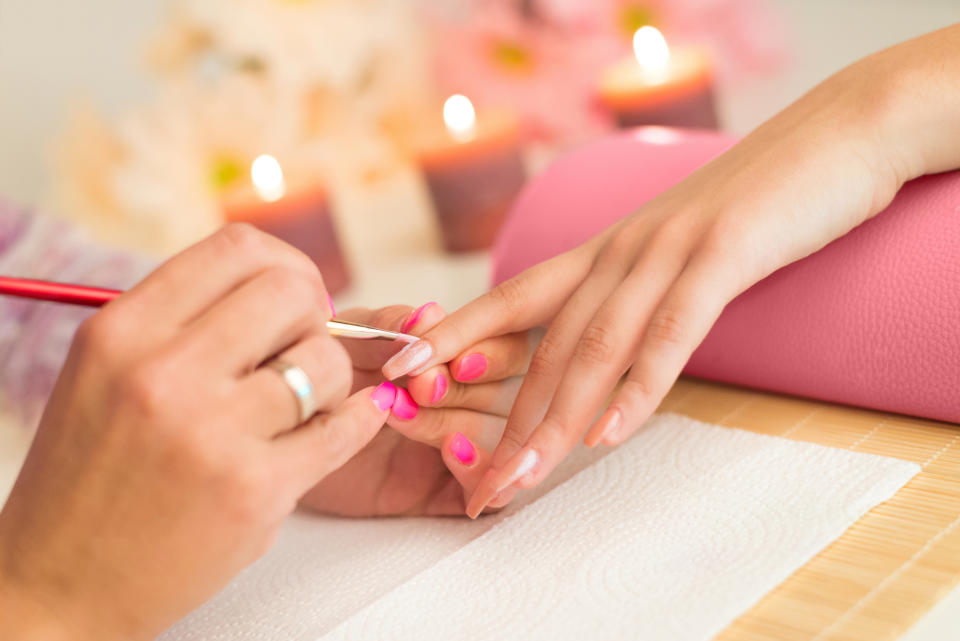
671	536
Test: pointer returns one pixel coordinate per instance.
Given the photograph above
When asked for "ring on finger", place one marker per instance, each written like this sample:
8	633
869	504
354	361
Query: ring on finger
300	384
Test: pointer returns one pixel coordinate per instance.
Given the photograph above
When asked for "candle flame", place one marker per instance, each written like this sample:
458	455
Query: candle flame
267	178
460	117
651	50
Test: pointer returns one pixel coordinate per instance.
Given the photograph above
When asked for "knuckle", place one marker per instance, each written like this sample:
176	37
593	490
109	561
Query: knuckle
241	238
546	358
667	328
98	333
511	295
513	439
290	287
595	346
634	390
147	388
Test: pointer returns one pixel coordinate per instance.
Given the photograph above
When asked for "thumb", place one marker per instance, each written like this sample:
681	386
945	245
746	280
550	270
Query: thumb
327	441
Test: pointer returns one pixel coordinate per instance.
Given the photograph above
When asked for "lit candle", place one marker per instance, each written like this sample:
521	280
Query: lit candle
300	217
473	169
659	86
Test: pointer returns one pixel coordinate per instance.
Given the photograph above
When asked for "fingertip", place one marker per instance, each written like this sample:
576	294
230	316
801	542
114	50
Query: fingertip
413	319
431	387
404	407
606	425
470	367
384	396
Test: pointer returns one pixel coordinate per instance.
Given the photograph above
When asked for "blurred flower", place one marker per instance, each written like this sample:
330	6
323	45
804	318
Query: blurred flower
502	57
155	181
330	43
746	36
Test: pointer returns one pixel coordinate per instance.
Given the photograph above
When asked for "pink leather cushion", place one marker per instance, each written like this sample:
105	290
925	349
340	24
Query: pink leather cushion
873	319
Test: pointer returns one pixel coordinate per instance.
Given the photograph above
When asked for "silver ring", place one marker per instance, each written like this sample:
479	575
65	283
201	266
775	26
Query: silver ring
300	384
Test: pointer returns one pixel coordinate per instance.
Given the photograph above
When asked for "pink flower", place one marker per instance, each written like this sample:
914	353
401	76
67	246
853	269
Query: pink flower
502	58
745	36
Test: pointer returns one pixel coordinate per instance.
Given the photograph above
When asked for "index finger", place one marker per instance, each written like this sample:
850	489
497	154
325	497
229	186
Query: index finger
186	285
526	300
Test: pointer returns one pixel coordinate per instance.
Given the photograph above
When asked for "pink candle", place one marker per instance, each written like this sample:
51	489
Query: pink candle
659	86
297	213
473	169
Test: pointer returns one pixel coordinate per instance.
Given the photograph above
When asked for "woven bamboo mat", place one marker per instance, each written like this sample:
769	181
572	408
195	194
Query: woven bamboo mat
893	564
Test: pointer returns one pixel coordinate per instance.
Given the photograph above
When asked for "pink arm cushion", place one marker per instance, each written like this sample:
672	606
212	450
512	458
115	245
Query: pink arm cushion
872	319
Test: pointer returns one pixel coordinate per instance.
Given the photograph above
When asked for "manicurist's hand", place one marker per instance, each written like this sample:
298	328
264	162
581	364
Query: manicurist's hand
443	424
640	297
168	453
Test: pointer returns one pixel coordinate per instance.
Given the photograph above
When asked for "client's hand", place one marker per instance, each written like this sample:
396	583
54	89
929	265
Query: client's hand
444	423
640	297
168	456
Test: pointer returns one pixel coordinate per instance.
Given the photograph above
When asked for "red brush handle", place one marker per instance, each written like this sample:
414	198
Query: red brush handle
57	292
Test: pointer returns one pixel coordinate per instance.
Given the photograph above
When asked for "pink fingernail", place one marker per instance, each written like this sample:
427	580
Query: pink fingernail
439	388
471	367
463	449
405	408
414	318
333	310
384	396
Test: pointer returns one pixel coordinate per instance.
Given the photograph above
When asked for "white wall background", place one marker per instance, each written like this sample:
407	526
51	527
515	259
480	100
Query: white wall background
55	50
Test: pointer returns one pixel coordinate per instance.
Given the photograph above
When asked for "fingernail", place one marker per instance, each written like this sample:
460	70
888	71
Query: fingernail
384	396
408	360
463	449
414	318
405	407
471	367
439	388
520	465
606	427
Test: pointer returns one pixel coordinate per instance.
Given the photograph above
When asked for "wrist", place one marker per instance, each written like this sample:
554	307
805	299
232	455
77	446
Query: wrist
32	620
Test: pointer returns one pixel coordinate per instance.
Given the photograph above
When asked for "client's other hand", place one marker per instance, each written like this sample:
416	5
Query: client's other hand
168	455
444	423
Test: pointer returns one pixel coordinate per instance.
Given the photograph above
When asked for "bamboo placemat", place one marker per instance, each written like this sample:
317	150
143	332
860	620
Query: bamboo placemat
893	564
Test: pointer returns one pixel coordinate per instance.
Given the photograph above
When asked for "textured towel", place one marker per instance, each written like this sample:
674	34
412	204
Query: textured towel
671	536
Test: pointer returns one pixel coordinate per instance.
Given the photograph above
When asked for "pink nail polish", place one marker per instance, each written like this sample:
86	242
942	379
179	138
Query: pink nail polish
384	396
439	388
471	367
333	310
414	318
405	408
463	449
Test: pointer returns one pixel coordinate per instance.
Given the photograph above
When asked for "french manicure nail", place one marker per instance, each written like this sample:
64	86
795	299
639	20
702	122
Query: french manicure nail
463	449
408	360
384	396
439	388
471	367
414	318
524	464
405	407
607	426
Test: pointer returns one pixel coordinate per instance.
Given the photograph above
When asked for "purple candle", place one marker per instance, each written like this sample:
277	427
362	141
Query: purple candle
298	214
473	170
